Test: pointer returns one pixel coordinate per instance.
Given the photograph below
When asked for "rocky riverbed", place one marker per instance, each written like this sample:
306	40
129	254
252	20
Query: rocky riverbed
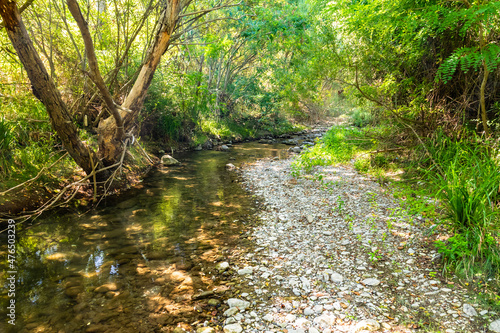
336	253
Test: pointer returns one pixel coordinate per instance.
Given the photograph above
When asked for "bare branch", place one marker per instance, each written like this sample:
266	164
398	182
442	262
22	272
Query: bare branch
95	74
208	10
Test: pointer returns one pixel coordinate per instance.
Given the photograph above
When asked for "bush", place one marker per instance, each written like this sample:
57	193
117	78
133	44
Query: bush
361	117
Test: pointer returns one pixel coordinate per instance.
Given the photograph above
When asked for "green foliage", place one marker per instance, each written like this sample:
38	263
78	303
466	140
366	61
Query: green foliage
469	58
468	188
339	145
361	117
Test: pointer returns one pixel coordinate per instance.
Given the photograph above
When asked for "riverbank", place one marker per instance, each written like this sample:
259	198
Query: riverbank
43	187
341	255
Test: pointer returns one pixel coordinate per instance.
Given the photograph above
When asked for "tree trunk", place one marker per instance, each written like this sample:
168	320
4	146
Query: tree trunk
44	88
108	149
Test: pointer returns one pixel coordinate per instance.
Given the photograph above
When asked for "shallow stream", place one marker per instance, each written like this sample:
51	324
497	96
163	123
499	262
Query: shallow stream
134	263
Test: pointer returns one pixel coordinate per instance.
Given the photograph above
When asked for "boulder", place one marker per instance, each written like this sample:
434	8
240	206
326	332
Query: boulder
291	142
169	160
208	145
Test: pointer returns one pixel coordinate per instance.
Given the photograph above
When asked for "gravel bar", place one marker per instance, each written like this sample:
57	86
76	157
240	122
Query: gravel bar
335	252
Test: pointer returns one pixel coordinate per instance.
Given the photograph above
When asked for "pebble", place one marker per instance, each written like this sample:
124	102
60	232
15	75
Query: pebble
222	266
233	328
371	282
469	310
311	269
337	278
238	303
495	326
368	325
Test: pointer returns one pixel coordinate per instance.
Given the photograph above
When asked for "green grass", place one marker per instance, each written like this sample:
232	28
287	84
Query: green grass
466	175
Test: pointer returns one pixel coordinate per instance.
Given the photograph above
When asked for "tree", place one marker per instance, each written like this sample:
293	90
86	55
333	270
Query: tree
173	21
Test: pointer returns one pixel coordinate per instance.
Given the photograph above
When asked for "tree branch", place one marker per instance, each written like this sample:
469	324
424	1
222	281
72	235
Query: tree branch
95	74
21	10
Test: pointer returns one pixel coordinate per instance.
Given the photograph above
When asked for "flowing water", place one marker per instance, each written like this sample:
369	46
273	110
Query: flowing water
134	263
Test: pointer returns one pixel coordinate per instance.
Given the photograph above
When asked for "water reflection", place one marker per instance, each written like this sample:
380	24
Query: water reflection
134	262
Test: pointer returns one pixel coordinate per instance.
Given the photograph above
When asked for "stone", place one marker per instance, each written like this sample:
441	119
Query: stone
213	302
308	311
231	312
202	295
233	328
222	266
245	271
208	145
337	278
106	287
290	142
367	325
495	326
205	330
73	292
313	330
169	160
198	148
268	317
224	148
230	167
371	282
296	150
238	303
469	310
386	326
325	320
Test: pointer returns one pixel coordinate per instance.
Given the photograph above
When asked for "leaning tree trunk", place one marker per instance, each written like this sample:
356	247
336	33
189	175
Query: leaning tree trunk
45	89
109	149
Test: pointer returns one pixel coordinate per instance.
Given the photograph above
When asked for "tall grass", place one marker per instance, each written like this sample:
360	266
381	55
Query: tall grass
468	185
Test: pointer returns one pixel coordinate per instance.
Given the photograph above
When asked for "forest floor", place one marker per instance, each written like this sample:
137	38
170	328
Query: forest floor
337	253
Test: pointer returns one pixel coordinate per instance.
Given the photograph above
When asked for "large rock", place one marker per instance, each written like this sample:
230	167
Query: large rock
208	145
169	160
